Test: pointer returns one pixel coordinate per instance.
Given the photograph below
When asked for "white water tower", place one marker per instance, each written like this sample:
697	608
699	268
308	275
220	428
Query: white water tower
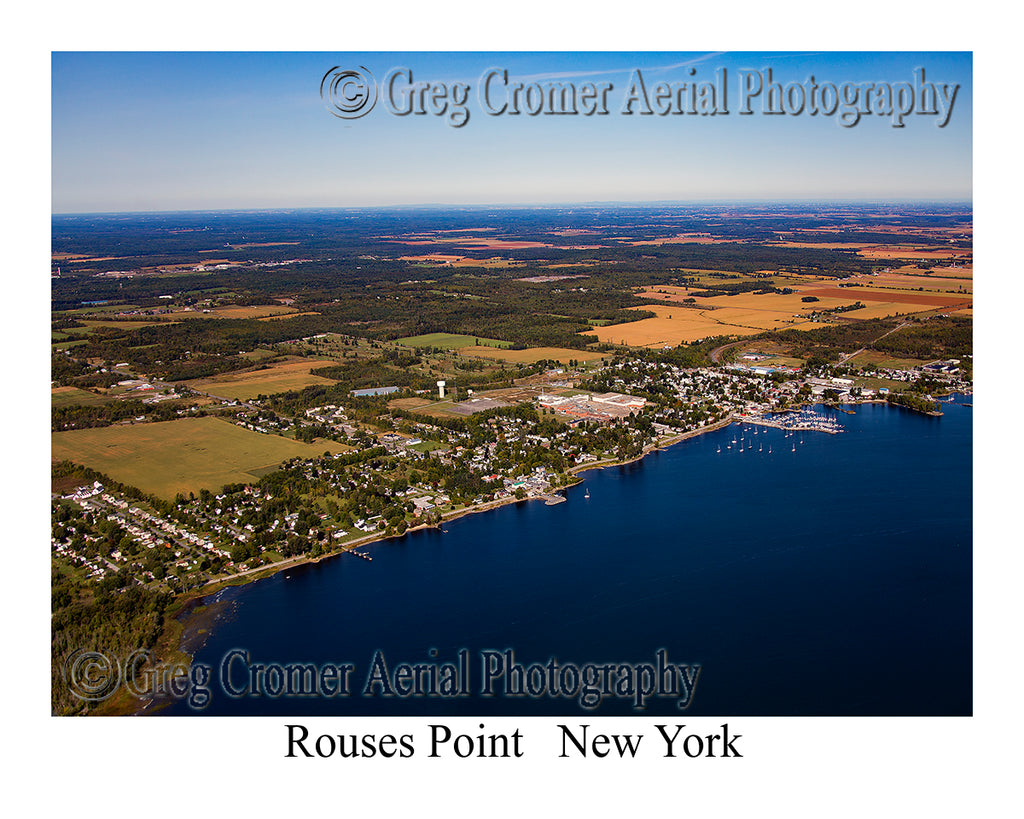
440	388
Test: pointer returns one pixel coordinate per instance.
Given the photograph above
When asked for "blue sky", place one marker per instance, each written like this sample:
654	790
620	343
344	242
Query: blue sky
201	130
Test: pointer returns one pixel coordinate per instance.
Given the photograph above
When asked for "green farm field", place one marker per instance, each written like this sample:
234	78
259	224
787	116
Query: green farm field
451	341
185	455
72	396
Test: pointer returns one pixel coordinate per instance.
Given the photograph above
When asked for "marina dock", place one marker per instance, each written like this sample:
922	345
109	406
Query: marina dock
802	422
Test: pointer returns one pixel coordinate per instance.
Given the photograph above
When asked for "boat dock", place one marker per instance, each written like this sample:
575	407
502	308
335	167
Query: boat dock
799	422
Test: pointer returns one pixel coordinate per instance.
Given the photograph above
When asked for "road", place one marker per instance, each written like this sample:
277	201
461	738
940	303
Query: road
716	353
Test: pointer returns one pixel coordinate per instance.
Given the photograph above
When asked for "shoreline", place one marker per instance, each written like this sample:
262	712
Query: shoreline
262	572
191	608
192	604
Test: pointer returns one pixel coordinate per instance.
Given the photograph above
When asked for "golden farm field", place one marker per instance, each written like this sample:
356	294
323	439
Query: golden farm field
672	326
756	318
746	315
925	301
941	280
560	354
185	455
288	375
775	303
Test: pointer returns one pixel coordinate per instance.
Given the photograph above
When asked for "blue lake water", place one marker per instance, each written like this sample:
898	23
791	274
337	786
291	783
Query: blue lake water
834	580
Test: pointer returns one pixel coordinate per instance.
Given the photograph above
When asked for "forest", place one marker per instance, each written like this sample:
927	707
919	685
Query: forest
348	271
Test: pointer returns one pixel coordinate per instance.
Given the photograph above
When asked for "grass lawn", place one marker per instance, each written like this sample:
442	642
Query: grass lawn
428	446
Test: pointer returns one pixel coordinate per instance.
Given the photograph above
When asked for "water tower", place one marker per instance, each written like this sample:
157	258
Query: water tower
440	388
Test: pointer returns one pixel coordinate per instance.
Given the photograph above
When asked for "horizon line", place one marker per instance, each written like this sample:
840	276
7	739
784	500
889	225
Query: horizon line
594	203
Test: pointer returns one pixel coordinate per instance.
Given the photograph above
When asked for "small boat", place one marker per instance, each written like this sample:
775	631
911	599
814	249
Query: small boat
587	493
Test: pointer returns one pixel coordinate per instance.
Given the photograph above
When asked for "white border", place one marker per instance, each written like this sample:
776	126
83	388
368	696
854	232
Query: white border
804	767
